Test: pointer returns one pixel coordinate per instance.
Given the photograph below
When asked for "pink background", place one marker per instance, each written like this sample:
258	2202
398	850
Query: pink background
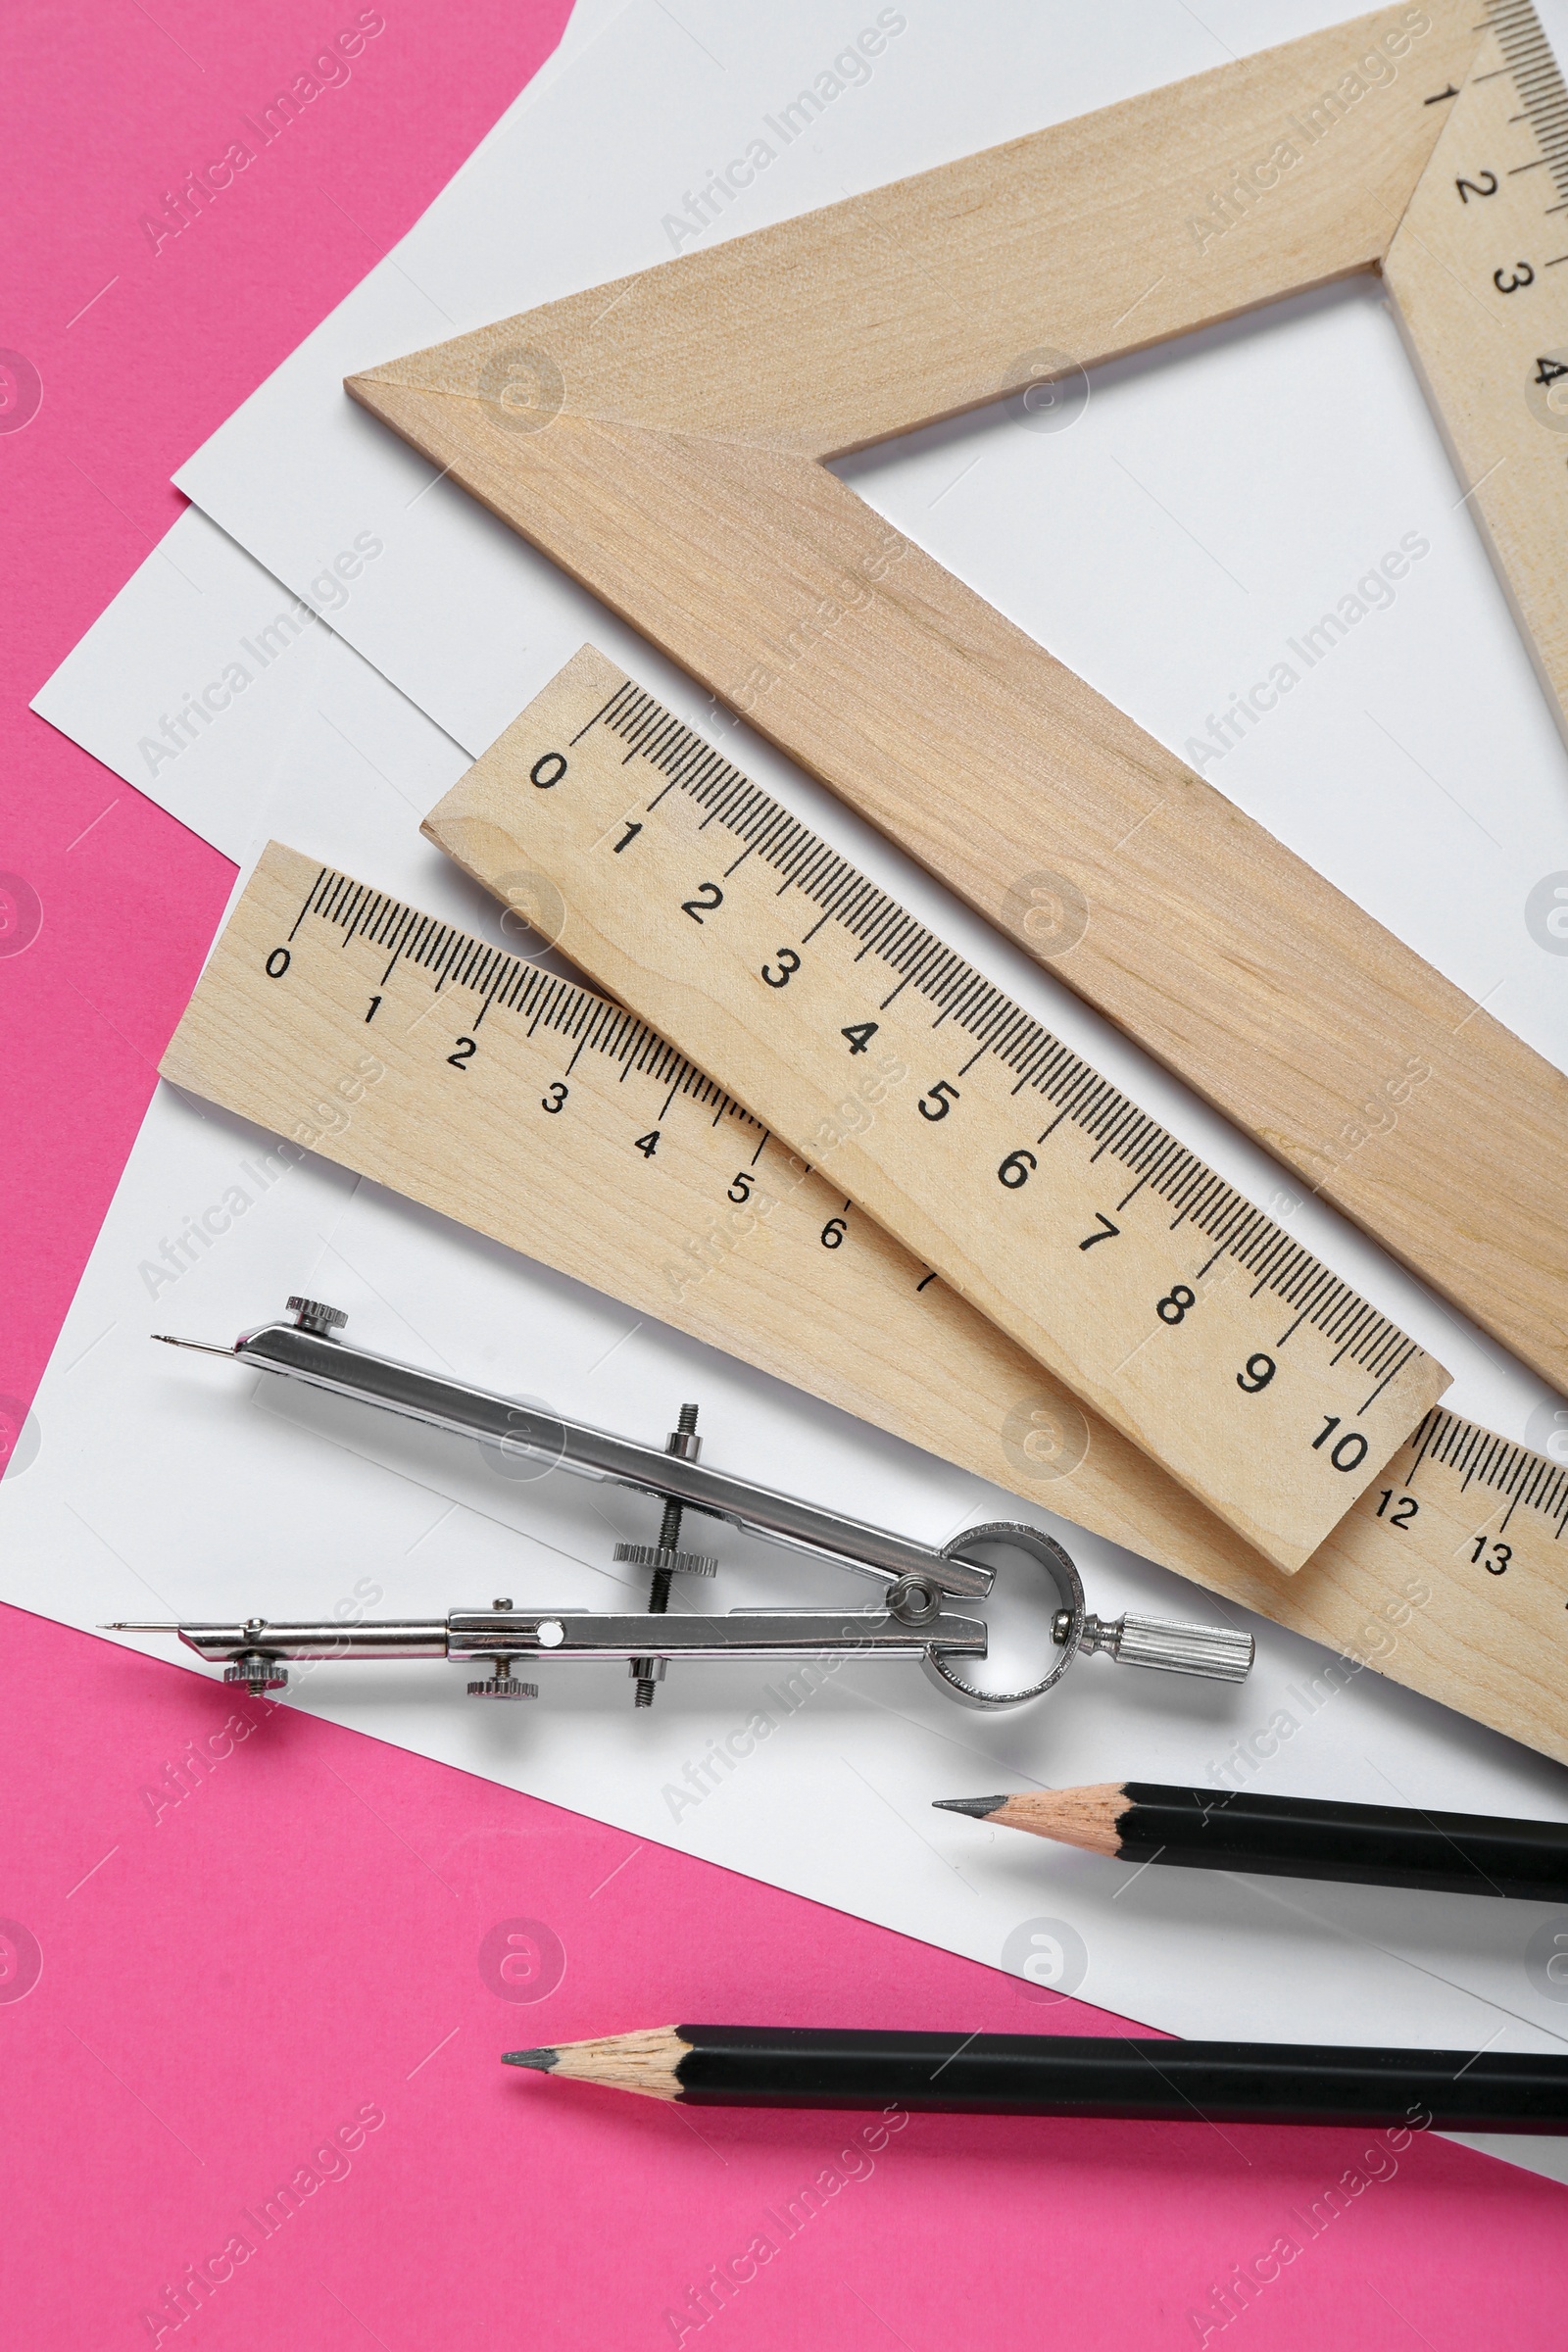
309	1930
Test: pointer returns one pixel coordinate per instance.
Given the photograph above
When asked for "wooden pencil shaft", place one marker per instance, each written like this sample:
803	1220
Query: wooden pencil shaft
1310	1838
1094	2075
665	454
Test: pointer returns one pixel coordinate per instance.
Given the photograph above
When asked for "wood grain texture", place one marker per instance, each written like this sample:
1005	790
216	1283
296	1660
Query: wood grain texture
1083	1817
921	299
1041	1192
857	1326
1479	274
659	440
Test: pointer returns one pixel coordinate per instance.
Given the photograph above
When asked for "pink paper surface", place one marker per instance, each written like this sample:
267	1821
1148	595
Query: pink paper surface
222	1948
318	1926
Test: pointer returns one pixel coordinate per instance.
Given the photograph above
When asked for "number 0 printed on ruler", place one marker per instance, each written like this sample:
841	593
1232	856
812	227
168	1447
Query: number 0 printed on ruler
1269	1387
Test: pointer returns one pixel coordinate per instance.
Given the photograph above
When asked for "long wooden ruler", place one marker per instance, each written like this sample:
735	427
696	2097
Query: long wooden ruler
1479	273
340	1018
1187	1317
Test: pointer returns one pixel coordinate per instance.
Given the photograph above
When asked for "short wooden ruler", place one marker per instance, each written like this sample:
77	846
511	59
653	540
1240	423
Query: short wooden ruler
338	1016
1187	1317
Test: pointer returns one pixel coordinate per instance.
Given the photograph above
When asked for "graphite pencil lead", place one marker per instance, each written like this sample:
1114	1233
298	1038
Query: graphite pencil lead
541	2061
977	1807
1085	1817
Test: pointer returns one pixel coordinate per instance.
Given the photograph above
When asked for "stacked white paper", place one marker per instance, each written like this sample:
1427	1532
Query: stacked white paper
1209	504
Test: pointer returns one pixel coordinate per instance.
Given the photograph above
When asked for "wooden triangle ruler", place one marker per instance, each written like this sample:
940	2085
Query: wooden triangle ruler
662	439
519	1104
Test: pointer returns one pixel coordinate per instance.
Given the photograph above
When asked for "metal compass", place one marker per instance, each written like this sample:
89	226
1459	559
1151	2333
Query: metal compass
911	1619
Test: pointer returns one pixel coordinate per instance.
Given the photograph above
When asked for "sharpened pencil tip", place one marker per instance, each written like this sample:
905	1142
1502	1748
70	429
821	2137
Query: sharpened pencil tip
977	1807
540	2060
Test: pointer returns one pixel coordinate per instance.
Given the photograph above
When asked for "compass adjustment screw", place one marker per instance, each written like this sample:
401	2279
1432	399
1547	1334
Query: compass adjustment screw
258	1670
311	1315
673	1563
500	1682
501	1685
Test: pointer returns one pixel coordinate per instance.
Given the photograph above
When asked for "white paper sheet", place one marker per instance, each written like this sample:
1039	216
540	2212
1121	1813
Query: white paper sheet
165	1483
160	1470
594	183
209	625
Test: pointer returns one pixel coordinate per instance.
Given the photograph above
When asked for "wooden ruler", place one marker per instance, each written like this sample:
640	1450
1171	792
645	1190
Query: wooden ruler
1185	1316
337	1016
1479	273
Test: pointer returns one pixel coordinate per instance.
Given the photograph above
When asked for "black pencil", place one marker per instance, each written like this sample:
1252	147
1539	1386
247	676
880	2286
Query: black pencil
1293	1836
1068	2075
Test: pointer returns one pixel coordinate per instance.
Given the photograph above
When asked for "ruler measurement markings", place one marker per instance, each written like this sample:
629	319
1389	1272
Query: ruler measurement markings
639	1042
594	722
427	937
359	903
305	909
1492	1456
1482	1457
1491	373
880	911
